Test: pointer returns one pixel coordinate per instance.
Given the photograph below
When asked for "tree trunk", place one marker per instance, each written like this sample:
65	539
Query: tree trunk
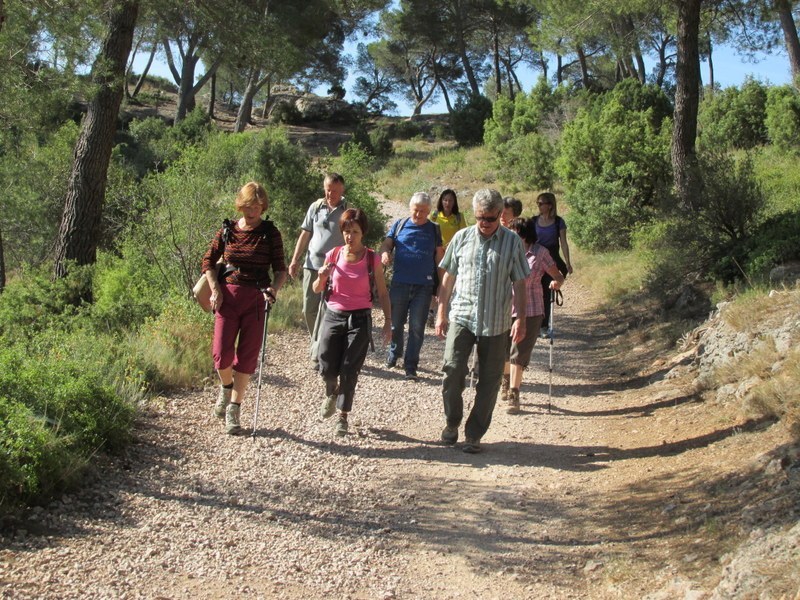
446	97
265	111
662	61
559	69
2	257
186	101
462	50
687	98
213	94
245	112
498	77
784	8
83	204
584	68
710	65
146	70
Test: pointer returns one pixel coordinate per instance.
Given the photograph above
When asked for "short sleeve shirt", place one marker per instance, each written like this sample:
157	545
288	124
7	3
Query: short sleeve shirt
414	251
549	236
539	260
485	269
449	225
323	223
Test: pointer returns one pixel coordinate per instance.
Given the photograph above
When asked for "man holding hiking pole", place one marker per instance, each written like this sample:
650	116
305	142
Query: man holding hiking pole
482	264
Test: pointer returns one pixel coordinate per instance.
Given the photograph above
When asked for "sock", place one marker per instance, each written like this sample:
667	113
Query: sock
229	386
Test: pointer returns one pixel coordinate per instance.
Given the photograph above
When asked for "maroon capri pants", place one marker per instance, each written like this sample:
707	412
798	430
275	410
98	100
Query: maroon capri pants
242	314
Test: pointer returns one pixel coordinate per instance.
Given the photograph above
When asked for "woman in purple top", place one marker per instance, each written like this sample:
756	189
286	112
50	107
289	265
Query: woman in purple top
551	231
346	277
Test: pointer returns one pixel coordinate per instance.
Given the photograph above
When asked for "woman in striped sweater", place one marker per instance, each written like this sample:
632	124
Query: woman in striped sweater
250	247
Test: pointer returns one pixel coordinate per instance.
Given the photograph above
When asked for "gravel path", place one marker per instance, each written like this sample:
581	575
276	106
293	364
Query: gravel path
571	504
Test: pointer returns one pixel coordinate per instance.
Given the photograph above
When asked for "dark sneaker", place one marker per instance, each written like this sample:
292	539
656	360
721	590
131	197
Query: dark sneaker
391	361
341	425
328	407
513	402
411	376
450	435
223	399
232	424
472	446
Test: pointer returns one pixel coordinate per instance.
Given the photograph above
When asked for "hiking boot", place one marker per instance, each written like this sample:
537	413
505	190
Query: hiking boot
232	425
341	425
411	375
391	361
472	446
513	402
506	383
450	435
328	407
223	399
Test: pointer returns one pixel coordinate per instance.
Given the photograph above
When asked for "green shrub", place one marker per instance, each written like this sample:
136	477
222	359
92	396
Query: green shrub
173	348
467	119
729	207
34	302
404	129
381	142
733	118
773	242
285	113
783	117
35	462
603	214
127	289
529	160
36	173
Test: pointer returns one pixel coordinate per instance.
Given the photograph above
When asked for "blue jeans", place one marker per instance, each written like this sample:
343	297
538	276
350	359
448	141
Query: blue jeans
409	302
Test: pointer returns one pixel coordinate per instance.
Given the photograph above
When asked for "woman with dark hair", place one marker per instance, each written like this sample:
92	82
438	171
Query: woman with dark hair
251	248
347	278
519	355
447	216
551	231
450	220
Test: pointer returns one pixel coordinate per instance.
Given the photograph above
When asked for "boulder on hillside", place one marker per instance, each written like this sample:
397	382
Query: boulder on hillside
787	274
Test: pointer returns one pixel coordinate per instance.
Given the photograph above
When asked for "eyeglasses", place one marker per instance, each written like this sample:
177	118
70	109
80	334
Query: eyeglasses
487	219
544	203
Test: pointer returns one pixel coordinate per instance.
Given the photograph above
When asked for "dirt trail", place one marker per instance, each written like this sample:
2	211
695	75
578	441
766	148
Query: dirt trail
613	494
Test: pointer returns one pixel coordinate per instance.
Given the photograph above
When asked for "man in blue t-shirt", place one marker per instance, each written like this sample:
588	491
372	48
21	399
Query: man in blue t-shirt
417	246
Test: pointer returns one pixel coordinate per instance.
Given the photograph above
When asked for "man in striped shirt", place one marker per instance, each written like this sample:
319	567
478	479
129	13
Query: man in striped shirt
482	264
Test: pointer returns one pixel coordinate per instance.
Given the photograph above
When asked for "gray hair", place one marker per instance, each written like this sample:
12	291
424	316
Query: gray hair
487	200
420	198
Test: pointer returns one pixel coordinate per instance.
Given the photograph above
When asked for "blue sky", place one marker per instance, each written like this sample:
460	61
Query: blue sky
729	69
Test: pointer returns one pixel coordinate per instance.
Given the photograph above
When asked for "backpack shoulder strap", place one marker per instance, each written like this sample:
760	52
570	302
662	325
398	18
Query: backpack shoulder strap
326	294
318	204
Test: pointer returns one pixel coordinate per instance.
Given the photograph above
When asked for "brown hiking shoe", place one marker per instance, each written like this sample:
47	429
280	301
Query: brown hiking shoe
504	388
513	402
223	399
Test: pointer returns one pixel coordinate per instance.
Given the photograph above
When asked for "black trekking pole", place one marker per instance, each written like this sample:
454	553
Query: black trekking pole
267	308
556	299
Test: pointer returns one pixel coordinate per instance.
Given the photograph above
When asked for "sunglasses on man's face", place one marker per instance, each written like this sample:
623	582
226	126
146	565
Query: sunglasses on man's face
487	219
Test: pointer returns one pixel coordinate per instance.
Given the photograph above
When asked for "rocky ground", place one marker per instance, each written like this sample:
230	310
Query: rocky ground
622	483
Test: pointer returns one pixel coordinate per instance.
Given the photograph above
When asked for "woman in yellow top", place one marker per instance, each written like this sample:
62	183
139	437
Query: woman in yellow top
447	216
450	220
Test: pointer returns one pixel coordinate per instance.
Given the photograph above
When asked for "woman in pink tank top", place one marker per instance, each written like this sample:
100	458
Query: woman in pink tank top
346	282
